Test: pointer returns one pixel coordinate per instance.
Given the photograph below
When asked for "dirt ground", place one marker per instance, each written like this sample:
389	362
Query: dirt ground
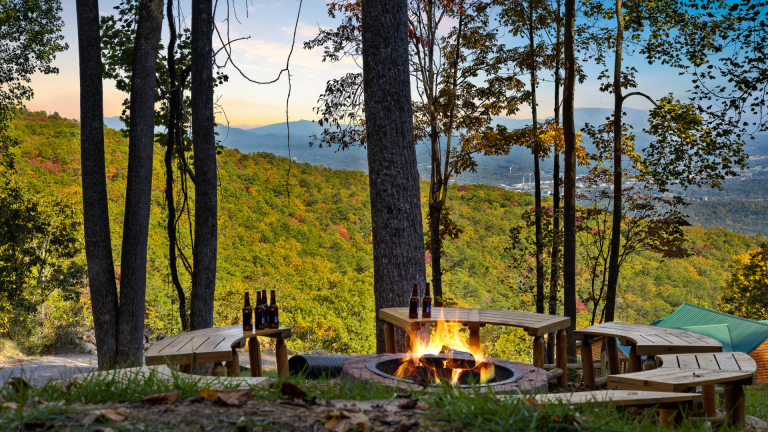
199	415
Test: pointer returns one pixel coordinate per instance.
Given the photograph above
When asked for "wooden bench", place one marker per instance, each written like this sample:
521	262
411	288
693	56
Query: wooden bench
669	404
536	325
642	340
684	372
218	345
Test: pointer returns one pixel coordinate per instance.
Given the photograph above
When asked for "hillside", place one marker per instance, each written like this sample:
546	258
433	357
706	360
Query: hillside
309	237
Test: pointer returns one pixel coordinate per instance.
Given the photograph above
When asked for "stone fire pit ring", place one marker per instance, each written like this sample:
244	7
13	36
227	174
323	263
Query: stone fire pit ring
526	378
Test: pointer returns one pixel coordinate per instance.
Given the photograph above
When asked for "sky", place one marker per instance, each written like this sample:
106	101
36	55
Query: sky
270	26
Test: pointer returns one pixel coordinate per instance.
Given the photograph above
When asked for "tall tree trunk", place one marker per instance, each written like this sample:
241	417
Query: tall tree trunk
98	244
536	171
613	263
398	241
204	144
555	270
174	106
138	193
569	179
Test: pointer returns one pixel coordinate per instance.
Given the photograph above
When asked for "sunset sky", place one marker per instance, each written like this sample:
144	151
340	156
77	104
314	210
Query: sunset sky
270	27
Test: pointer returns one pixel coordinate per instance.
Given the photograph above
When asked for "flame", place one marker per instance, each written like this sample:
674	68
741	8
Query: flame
449	335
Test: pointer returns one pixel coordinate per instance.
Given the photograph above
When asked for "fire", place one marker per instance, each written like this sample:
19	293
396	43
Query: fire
427	362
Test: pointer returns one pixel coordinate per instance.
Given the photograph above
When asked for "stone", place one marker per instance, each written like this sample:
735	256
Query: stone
88	347
270	351
289	352
146	333
353	354
320	352
152	340
160	337
146	346
756	423
93	351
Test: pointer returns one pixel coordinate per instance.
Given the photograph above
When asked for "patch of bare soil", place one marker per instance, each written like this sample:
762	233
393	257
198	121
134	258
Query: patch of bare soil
200	415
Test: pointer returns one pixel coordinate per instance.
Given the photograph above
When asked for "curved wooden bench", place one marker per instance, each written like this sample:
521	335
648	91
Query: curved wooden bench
642	340
678	373
217	345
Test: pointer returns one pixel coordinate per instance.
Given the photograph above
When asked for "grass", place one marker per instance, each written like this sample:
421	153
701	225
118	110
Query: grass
9	350
450	409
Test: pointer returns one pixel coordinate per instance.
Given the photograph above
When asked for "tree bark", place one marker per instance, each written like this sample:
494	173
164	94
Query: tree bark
555	269
138	194
204	144
98	244
569	179
398	242
174	106
536	172
613	263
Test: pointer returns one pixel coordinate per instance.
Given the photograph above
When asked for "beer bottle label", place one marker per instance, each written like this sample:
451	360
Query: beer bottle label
428	307
263	318
275	319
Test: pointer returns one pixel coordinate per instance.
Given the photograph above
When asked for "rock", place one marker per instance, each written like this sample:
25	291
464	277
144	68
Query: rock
88	347
353	354
152	340
146	346
301	353
160	336
320	352
93	351
146	333
270	351
289	352
756	423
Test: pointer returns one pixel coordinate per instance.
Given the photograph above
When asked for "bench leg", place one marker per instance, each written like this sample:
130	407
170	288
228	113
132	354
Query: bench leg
281	353
538	352
667	416
219	369
650	363
634	360
389	338
233	366
562	357
613	356
185	368
254	354
708	396
735	405
474	338
587	363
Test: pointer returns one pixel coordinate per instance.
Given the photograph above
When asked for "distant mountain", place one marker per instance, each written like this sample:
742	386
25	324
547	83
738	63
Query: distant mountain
299	128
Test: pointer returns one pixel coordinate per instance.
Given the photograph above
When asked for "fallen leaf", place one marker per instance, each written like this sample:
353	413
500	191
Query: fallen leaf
344	421
10	405
233	397
209	394
534	403
88	419
292	390
422	406
306	403
39	425
161	398
697	375
116	415
408	404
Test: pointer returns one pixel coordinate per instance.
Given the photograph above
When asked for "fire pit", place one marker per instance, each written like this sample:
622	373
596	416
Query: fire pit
506	377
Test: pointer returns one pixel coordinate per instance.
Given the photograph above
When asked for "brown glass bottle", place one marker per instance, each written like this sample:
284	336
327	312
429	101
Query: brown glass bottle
274	317
265	307
259	312
247	313
413	307
426	303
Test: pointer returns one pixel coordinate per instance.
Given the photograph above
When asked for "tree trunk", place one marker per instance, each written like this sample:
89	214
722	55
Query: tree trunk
204	144
98	244
174	106
613	263
435	242
536	173
555	270
138	193
398	240
569	179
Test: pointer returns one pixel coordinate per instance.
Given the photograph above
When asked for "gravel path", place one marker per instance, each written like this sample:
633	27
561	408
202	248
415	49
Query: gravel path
39	370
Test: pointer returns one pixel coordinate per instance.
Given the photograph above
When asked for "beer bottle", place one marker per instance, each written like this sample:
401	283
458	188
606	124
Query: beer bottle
259	312
265	308
413	310
274	318
247	314
426	303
